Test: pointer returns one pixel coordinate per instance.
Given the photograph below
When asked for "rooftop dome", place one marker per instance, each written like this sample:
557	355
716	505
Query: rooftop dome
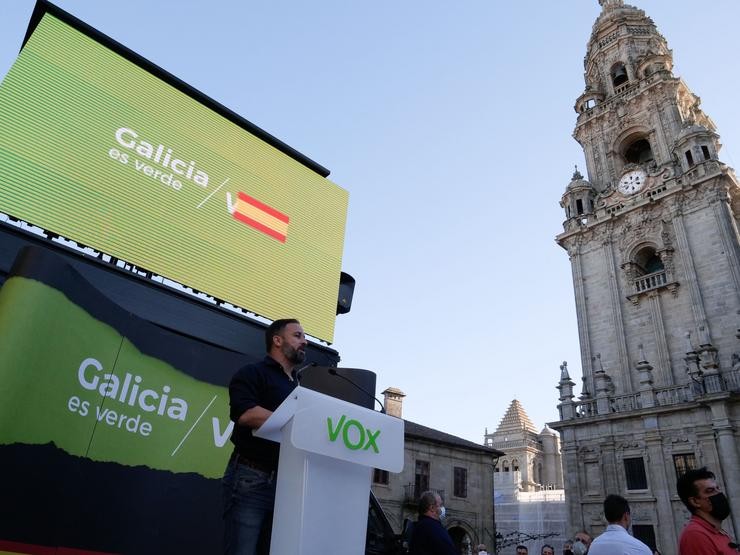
693	129
548	431
578	182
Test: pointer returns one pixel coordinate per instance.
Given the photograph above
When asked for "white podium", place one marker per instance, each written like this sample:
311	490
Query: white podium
328	449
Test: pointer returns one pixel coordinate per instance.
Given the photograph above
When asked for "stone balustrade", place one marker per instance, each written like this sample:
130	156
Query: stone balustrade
709	384
651	281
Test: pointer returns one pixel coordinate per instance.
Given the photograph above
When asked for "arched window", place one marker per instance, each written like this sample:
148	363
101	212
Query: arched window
648	261
648	268
505	466
638	152
515	465
619	74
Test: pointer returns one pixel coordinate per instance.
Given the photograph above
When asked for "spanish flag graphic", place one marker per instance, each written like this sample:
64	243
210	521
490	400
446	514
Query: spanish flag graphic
258	215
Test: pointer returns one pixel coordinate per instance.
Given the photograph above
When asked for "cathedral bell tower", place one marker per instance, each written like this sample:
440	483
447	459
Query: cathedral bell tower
652	235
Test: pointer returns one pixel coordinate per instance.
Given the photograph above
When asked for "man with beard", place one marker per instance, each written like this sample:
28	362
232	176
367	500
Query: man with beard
703	535
249	482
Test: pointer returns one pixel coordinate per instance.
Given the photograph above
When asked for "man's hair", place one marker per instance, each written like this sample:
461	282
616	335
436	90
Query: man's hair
614	508
276	328
545	546
686	485
427	500
524	547
585	533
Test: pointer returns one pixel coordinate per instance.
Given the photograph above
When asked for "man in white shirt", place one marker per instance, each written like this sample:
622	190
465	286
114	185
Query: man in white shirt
616	540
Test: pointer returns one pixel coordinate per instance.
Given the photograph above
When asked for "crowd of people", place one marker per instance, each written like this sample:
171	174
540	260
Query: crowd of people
703	535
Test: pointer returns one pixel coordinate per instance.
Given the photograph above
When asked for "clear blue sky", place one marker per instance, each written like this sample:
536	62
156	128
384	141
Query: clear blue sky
450	125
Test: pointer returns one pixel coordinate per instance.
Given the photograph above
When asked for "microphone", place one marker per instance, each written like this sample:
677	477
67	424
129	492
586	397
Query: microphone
299	373
333	372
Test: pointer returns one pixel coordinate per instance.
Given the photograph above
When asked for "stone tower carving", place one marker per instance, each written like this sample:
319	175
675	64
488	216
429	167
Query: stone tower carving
652	236
533	460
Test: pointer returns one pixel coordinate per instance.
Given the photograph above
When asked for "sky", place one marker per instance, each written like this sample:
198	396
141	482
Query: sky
450	125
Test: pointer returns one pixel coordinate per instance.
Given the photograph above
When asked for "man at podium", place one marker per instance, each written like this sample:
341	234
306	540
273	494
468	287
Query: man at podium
249	482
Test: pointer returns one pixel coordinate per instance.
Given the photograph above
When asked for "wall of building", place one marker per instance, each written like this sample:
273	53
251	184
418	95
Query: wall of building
473	513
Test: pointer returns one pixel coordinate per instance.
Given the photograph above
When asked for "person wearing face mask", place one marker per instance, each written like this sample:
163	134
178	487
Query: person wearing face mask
582	543
703	535
568	547
481	549
429	536
616	540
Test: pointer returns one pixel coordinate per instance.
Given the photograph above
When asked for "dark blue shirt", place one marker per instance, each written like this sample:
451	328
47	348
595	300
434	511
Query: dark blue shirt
263	384
429	537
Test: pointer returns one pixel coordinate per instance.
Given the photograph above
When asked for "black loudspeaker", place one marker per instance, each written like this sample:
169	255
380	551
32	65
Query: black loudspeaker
346	290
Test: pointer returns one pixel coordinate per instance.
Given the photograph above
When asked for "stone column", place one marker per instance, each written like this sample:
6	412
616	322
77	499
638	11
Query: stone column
728	234
574	251
661	487
624	375
692	282
610	465
665	376
574	494
661	148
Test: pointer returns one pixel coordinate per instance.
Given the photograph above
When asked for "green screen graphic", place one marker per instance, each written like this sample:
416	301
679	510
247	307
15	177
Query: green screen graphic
96	149
74	381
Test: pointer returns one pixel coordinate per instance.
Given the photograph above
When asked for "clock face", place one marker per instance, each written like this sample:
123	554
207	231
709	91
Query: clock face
632	182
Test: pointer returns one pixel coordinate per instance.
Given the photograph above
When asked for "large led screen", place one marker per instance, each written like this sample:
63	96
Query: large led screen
99	149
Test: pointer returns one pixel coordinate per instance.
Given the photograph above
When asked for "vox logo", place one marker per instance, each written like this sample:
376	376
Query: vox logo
361	438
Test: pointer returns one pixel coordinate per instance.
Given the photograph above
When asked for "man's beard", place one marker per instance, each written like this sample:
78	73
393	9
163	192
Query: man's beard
296	356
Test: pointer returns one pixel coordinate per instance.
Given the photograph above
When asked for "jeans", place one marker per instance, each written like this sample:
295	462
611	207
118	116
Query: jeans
249	499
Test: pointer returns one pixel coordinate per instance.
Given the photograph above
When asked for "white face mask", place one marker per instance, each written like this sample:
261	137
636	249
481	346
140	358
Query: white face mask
483	553
442	512
579	548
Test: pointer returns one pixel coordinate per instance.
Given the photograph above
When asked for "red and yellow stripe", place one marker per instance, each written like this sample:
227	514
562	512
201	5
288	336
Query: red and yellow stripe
261	217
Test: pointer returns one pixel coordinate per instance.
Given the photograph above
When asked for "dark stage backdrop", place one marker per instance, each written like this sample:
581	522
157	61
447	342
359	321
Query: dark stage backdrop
113	431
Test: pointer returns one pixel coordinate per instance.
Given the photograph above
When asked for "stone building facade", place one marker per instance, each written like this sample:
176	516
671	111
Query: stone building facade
528	484
460	470
534	456
652	236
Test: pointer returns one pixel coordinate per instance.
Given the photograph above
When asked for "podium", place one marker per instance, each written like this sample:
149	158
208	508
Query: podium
328	450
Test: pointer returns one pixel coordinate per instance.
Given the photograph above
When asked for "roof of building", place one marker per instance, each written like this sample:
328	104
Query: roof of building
515	420
578	182
394	391
422	432
548	431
